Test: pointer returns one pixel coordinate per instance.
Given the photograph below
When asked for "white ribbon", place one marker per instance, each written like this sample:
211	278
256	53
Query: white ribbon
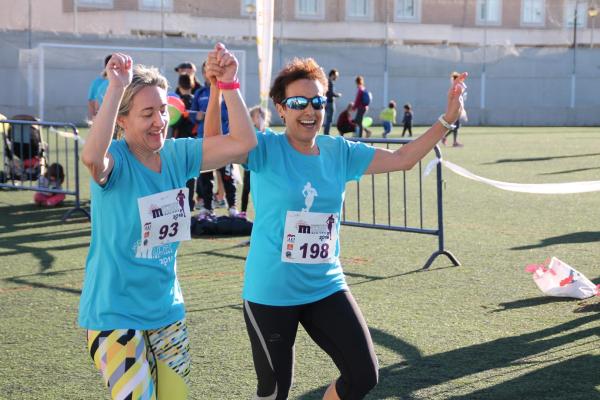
539	188
68	135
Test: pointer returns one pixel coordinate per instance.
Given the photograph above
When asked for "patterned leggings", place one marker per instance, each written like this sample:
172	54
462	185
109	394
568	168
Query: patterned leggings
151	364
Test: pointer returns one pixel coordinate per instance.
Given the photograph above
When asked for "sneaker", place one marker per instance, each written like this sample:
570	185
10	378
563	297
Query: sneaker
456	144
233	212
205	214
219	203
242	214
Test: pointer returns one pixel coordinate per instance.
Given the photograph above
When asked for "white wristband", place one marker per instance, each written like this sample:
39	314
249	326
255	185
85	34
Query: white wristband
445	123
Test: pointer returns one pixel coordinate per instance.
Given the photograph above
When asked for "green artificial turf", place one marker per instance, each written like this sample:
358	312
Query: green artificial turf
479	331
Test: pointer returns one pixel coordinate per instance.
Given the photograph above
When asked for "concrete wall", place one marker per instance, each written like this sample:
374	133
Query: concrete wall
524	86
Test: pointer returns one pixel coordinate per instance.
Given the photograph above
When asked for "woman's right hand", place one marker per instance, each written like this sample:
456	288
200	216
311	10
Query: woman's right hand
222	64
119	70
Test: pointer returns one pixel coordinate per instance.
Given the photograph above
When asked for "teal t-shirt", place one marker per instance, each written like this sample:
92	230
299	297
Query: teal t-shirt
125	288
280	175
97	90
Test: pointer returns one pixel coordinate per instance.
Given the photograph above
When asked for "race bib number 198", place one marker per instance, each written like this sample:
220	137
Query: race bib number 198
165	217
309	237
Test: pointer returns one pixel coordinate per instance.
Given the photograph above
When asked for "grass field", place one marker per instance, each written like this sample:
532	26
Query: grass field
478	331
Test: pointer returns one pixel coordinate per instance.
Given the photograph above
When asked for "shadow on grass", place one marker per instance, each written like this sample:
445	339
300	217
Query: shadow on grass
374	278
569	171
532	353
29	216
534	159
575	237
533	302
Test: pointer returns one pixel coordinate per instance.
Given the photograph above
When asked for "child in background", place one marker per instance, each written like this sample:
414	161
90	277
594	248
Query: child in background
51	179
260	119
388	116
407	120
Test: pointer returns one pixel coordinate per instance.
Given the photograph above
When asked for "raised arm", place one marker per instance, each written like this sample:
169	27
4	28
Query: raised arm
95	155
411	153
232	148
212	118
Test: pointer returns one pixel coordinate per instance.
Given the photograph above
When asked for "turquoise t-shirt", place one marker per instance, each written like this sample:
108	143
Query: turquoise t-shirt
125	288
97	90
279	176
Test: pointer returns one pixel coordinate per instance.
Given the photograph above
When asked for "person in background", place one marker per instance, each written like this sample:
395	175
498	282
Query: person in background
331	95
345	123
260	119
361	106
188	68
96	92
407	120
204	184
53	178
388	117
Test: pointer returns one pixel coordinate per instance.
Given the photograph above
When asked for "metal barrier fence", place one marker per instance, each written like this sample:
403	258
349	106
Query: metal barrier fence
41	157
404	225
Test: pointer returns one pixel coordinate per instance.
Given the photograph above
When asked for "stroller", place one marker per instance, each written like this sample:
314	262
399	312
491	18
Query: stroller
23	150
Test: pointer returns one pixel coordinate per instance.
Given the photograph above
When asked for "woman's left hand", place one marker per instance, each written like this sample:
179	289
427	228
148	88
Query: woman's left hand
455	98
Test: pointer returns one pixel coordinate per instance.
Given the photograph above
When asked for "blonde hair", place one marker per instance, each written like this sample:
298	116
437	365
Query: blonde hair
264	114
143	76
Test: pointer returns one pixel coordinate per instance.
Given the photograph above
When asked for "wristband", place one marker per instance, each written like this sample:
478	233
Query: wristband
235	84
445	123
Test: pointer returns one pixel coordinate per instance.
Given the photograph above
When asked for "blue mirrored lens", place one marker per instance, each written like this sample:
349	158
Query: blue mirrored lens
318	102
296	103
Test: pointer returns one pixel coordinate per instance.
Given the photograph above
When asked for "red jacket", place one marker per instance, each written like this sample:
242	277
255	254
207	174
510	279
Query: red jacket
358	100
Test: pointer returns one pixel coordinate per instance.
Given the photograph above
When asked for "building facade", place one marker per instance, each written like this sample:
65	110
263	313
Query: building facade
524	69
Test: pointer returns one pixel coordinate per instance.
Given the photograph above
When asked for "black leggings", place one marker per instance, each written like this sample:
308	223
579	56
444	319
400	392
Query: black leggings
246	191
335	323
204	186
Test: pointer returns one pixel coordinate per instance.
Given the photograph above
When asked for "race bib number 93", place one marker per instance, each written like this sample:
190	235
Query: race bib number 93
165	217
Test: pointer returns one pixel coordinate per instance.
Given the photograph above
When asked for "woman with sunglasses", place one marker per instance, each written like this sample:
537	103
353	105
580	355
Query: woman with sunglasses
293	273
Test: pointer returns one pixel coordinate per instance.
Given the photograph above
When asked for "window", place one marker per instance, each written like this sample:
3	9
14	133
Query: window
95	3
359	9
489	12
248	7
310	9
407	10
582	8
532	12
156	5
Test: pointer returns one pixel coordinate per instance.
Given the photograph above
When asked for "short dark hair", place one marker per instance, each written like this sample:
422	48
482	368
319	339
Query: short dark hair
107	59
333	72
392	104
298	68
407	106
360	80
184	82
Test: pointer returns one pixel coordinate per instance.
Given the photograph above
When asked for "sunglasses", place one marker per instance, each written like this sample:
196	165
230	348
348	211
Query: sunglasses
301	102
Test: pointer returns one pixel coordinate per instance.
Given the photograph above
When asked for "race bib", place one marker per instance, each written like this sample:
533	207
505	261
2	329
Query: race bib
309	237
165	217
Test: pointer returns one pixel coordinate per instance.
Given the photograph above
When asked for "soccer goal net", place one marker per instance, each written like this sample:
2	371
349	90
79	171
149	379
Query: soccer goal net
58	75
